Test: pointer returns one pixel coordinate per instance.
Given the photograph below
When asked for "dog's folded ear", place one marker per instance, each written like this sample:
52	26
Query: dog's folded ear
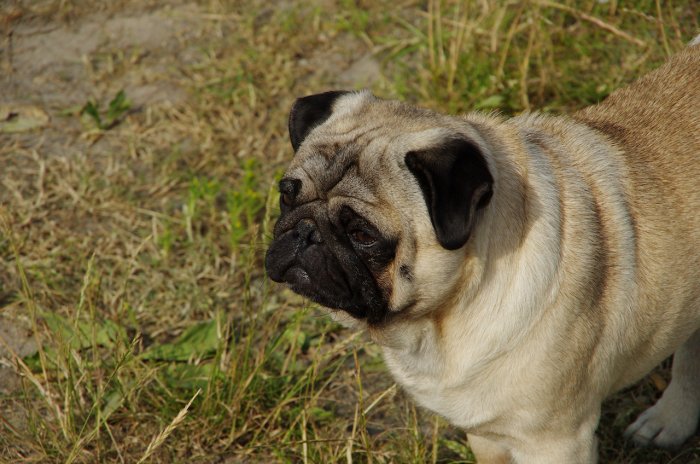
456	182
308	112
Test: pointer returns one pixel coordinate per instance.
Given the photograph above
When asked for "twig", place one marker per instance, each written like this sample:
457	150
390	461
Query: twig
161	437
597	21
662	30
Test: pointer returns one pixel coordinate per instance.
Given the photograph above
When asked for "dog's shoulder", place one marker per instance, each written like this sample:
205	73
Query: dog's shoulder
656	122
656	112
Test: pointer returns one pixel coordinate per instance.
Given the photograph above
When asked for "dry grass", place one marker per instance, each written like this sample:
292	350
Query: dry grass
135	252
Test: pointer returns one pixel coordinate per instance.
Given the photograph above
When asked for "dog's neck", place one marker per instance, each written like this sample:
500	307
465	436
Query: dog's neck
496	276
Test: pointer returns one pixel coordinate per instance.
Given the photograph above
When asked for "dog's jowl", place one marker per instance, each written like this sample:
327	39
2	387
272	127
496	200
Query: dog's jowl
515	271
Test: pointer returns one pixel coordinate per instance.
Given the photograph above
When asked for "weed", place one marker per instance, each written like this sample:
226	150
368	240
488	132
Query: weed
244	203
354	18
105	120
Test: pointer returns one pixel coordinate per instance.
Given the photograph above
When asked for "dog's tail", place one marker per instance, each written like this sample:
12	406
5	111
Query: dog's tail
695	41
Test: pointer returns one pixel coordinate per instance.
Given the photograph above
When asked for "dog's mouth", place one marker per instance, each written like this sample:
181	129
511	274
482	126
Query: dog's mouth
308	274
296	276
326	293
300	282
327	272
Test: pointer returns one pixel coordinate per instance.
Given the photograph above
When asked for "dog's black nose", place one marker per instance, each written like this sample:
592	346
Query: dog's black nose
308	232
289	188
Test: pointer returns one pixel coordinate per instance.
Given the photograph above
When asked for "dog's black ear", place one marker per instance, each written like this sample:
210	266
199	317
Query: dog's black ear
456	182
309	112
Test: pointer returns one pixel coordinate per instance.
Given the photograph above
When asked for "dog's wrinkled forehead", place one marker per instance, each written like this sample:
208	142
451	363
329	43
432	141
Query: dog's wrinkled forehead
332	149
323	168
354	140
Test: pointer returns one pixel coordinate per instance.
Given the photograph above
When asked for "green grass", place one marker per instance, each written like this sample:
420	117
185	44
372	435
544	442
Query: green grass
108	118
136	256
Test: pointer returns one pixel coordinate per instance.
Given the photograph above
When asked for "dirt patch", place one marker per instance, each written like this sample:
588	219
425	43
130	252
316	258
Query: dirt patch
362	73
63	65
16	340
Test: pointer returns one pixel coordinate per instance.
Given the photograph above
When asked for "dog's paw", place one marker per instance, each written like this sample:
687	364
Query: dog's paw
665	424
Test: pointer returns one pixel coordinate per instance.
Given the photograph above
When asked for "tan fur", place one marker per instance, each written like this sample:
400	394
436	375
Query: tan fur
581	275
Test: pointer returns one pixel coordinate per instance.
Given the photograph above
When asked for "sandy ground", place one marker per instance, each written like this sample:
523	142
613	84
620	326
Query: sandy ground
57	66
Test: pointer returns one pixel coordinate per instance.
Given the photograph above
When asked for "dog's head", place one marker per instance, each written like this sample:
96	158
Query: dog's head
378	205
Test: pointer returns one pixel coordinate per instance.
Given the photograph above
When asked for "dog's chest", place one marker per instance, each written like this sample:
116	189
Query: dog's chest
438	384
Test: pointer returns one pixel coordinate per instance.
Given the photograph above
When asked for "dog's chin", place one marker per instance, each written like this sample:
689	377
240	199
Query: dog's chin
297	278
300	282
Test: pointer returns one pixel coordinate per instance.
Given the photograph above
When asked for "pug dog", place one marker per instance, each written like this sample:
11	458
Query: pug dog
515	271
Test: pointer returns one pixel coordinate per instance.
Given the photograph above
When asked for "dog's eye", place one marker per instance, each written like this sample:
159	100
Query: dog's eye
362	237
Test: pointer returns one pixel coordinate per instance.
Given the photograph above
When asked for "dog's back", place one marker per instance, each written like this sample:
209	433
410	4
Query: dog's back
656	124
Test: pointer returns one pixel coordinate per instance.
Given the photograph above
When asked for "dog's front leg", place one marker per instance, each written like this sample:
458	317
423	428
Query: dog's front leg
553	447
488	451
541	447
